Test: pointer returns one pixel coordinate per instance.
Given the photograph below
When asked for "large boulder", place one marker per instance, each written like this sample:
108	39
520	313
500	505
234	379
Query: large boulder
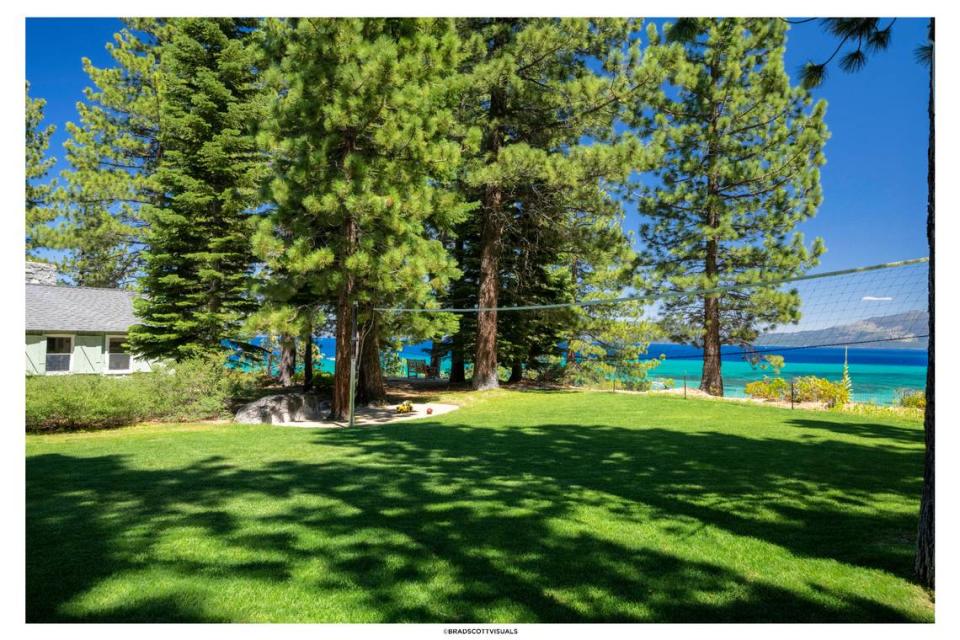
283	407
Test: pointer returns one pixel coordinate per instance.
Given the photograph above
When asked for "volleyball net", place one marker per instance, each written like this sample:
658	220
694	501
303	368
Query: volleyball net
877	308
869	305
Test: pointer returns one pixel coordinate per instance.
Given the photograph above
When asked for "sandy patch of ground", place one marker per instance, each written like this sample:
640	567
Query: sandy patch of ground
697	393
373	416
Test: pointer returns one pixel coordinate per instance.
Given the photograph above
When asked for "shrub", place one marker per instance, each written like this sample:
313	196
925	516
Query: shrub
393	365
195	389
634	374
883	411
634	382
912	398
593	372
805	389
834	394
768	389
85	402
584	373
814	389
550	370
190	390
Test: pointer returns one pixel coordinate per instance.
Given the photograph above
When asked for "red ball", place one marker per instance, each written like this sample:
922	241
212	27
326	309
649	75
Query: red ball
429	410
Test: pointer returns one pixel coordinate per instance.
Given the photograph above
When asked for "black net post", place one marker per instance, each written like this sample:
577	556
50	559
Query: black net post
354	343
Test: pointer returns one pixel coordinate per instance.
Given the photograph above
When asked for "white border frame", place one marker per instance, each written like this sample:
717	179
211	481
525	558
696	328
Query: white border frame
948	268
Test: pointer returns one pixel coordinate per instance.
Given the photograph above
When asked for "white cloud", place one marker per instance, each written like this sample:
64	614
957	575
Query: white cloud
876	298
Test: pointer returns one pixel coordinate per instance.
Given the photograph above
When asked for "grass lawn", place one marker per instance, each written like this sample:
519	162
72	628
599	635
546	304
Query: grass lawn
524	507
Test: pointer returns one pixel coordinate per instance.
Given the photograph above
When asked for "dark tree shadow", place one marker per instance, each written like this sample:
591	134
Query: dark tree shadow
498	508
861	430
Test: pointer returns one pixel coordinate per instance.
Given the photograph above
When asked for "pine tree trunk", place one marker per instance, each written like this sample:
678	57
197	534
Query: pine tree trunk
458	373
370	387
516	372
308	360
340	405
343	334
485	362
575	278
288	359
711	380
491	236
435	359
924	563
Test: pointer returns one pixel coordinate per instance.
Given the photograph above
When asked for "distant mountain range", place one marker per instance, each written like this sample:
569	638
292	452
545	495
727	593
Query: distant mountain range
894	331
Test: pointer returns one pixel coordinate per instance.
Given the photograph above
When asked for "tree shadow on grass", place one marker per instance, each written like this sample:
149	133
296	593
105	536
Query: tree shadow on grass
435	522
815	499
868	430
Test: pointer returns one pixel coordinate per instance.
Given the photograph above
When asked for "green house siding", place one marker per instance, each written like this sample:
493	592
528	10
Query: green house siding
88	356
36	354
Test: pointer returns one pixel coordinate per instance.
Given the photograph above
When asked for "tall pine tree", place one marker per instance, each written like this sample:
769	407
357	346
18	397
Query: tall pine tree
197	268
741	170
38	212
113	153
546	94
359	145
605	340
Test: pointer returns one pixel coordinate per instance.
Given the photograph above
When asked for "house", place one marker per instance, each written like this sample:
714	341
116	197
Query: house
77	329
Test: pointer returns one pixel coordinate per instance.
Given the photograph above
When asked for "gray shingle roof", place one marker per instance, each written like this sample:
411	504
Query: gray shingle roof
59	308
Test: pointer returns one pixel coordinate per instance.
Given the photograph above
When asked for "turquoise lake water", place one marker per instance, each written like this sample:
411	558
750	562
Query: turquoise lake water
872	382
878	374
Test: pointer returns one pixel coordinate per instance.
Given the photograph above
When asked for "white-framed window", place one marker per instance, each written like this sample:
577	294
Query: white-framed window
59	353
118	355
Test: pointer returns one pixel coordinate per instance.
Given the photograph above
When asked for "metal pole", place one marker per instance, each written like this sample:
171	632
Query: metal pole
353	361
684	385
792	393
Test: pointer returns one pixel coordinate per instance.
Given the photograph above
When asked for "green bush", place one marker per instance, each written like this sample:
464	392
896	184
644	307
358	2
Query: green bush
883	411
392	364
805	389
56	403
191	390
598	374
814	389
768	389
913	399
631	381
550	370
584	373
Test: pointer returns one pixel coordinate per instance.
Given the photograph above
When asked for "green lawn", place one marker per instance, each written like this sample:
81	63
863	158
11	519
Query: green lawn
526	507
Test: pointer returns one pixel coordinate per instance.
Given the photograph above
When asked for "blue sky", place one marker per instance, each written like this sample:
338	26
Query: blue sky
874	183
